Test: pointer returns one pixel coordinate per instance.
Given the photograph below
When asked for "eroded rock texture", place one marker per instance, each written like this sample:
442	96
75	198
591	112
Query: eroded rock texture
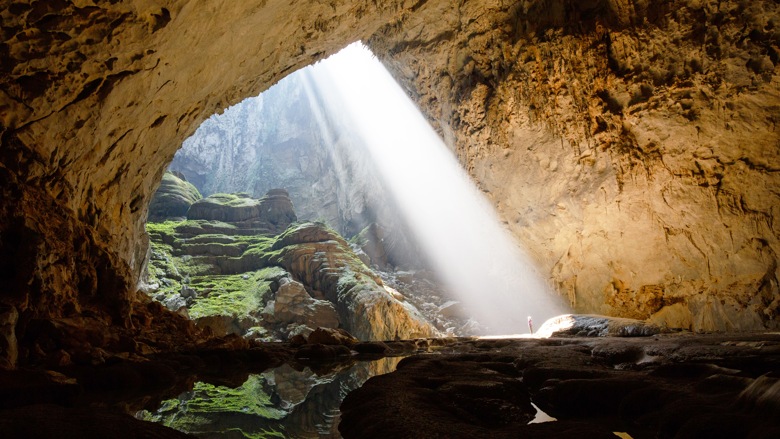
173	198
95	98
631	145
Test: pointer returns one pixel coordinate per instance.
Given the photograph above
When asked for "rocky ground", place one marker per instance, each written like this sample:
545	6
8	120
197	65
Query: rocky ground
663	386
678	385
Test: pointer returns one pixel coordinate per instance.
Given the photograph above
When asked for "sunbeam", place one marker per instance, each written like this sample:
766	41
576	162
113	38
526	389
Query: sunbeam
458	229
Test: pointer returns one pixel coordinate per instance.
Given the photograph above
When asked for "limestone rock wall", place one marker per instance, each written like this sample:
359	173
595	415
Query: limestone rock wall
95	98
285	139
631	145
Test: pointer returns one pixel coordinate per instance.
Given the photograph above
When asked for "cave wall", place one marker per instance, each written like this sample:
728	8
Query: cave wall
631	145
95	99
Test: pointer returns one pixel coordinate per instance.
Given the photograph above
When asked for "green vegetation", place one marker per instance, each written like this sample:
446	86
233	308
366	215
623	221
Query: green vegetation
249	398
234	295
190	228
240	199
361	238
199	410
264	434
173	198
230	275
162	232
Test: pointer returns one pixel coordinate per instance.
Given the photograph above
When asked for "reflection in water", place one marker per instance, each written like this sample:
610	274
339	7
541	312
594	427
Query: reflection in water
283	402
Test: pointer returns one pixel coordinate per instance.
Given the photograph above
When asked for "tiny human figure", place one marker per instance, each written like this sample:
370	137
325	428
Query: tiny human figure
530	324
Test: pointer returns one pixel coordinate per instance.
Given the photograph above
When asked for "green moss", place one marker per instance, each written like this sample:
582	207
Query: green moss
196	265
173	198
213	248
232	294
191	228
164	232
162	269
261	248
249	398
212	237
200	410
264	434
240	199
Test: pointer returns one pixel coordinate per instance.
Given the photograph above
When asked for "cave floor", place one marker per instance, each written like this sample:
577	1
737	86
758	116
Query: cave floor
663	386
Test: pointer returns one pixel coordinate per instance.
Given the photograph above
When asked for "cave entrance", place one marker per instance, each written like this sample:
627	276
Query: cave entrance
422	250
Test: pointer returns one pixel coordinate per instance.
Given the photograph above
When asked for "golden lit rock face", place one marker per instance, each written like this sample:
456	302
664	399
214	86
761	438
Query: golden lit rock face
630	145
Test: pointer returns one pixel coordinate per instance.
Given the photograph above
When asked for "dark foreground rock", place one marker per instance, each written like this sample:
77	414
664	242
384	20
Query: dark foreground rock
105	400
666	386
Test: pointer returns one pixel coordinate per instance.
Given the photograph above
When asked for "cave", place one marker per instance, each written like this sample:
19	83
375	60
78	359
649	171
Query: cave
631	146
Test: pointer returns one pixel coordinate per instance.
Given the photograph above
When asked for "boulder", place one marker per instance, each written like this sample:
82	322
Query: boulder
587	325
225	207
294	305
174	303
331	336
220	325
173	198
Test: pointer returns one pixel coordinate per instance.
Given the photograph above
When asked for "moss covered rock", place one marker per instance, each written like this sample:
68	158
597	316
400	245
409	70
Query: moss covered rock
234	274
173	198
321	259
274	211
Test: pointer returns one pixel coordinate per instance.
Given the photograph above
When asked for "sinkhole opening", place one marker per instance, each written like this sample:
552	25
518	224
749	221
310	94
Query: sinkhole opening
246	228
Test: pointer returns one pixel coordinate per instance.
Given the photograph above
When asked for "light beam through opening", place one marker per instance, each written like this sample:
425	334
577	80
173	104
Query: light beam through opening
476	258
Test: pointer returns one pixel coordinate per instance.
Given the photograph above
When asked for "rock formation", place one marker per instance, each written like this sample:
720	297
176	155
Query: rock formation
173	198
631	145
664	386
284	138
321	259
230	268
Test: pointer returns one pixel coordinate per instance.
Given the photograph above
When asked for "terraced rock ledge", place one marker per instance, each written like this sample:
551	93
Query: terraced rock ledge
240	265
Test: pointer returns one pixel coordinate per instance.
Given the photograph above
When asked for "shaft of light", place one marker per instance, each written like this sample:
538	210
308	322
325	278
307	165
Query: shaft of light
459	231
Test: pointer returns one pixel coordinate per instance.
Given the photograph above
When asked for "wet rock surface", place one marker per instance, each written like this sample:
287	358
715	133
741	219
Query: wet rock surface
104	399
664	386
